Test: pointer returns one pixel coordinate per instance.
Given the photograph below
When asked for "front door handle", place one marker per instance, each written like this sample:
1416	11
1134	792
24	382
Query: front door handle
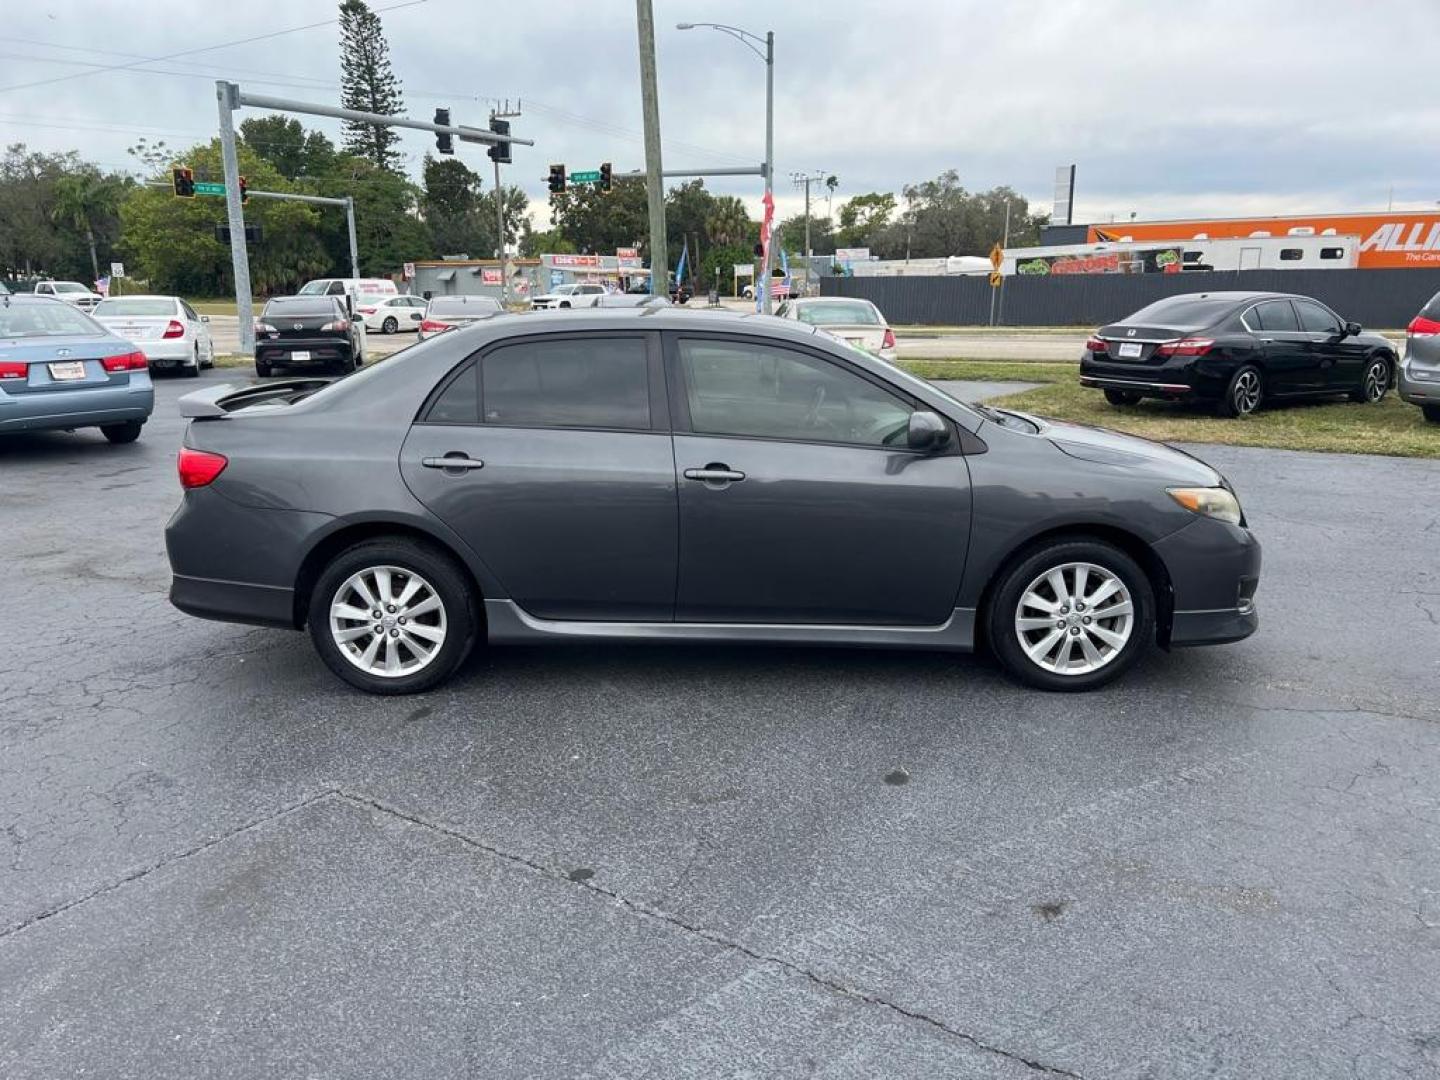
455	459
715	473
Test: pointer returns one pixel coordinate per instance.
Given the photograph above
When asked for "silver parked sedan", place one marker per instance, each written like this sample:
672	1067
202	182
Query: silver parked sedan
170	333
654	475
1419	376
60	369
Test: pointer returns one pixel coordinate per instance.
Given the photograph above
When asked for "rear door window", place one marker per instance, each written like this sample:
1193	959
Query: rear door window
459	402
1316	319
1274	316
597	382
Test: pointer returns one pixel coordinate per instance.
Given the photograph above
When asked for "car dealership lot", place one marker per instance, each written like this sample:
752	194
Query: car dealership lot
601	861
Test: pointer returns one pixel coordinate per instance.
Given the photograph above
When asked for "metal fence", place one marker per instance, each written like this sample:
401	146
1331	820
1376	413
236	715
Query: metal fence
1379	298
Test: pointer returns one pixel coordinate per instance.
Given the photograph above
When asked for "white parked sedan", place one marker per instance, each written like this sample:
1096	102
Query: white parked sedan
857	321
390	314
576	294
171	334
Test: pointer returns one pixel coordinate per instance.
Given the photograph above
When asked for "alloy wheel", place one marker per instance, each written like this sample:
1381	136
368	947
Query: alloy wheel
388	621
1377	380
1075	618
1246	392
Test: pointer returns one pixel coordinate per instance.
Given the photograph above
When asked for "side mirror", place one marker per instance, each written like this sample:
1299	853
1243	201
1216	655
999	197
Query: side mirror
1351	329
927	431
205	318
350	305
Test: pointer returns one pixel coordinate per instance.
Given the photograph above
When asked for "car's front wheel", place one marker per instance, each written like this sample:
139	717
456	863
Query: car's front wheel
120	434
1071	615
1122	397
393	616
390	325
1431	413
1375	383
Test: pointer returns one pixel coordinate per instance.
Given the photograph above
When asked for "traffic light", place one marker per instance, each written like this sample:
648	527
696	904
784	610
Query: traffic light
182	179
557	179
444	142
500	152
244	193
605	176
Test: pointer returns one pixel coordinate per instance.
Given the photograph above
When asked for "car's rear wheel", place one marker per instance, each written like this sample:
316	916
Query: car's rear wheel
1122	397
262	369
1375	383
390	325
1072	615
1431	413
1244	393
393	616
194	372
119	434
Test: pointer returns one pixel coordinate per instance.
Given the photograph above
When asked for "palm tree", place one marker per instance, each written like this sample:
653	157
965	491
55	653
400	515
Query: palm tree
728	222
80	199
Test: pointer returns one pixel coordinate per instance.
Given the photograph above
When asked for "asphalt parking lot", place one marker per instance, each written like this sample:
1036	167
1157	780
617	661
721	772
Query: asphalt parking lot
218	860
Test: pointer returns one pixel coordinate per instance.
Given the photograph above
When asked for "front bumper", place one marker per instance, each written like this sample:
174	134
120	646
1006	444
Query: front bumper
1214	572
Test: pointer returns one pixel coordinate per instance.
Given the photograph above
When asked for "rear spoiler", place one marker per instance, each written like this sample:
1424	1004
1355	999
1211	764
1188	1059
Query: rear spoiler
225	398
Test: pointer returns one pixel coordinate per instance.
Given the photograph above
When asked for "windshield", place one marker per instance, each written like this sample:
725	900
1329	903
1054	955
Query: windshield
1182	312
314	288
566	290
46	318
838	313
473	307
70	287
136	306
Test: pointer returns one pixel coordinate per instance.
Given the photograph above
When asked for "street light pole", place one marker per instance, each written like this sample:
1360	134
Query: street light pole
654	168
752	42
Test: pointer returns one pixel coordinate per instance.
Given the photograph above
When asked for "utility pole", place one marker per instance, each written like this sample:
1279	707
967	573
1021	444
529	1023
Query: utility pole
350	228
499	113
805	180
1005	244
227	94
654	169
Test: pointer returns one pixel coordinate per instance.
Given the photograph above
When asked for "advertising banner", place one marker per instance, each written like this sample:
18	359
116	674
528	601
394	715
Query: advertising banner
1149	261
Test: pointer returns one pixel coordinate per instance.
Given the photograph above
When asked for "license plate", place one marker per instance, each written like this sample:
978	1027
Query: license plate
1129	349
300	354
67	371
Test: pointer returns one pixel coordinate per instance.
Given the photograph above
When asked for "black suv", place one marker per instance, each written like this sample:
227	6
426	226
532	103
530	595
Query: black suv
1237	349
300	331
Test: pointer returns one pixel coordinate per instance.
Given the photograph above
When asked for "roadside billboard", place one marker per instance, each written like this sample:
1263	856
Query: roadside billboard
1397	239
1167	260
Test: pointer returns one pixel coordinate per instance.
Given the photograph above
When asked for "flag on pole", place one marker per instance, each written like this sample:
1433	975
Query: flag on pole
680	266
785	267
763	289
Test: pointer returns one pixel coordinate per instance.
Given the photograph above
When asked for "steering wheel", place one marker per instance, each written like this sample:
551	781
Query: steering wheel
813	419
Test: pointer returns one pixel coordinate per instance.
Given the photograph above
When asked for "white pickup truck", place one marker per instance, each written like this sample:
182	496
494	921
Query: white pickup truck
72	292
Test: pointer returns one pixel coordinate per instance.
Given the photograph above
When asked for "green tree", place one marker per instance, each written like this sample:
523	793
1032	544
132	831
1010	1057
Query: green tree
595	221
729	224
81	200
388	228
942	218
864	219
284	142
368	84
450	206
515	205
792	234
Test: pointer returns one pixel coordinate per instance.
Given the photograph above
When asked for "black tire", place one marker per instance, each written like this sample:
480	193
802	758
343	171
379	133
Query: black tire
439	570
262	369
1122	397
1002	612
1431	413
1244	393
194	372
1375	383
564	303
119	434
390	325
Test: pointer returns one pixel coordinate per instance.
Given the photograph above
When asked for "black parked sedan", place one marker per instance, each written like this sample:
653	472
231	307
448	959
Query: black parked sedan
304	331
1238	349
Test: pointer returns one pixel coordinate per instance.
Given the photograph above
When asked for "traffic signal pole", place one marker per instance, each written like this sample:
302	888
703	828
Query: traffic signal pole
654	169
227	94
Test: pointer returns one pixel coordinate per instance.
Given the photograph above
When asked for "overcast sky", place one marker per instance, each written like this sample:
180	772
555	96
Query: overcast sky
1201	107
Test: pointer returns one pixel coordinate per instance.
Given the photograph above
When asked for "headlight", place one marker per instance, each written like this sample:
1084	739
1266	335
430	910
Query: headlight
1211	502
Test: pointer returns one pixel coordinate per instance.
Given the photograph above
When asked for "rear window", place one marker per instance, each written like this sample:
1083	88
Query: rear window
46	318
837	314
138	306
296	305
457	307
1182	312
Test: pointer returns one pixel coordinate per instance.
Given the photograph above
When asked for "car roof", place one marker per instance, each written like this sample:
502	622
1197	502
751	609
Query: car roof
654	318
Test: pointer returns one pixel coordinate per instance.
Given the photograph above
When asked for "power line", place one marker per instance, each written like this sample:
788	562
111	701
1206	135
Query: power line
204	48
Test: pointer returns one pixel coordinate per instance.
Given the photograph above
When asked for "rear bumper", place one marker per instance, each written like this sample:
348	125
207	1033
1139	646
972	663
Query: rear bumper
167	354
64	409
234	601
1183	377
1417	390
321	350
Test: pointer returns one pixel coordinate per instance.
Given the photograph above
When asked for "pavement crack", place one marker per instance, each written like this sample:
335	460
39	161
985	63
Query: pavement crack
169	860
830	985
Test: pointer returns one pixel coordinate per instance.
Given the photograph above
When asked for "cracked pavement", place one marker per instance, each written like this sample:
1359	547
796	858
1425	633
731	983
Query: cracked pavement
217	860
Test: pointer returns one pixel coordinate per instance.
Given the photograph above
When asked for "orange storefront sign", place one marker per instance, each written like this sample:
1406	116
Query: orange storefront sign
1392	240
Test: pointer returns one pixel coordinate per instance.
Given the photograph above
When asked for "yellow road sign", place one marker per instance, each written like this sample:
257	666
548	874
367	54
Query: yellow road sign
997	256
995	279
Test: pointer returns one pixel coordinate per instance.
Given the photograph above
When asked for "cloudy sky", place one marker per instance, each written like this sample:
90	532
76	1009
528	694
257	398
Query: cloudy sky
1168	108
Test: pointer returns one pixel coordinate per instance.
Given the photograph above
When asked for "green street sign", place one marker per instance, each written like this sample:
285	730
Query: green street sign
590	176
202	188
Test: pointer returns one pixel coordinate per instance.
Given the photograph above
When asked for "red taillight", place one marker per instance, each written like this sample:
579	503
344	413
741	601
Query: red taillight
1097	344
430	326
339	326
1422	327
1194	346
175	329
888	341
10	369
199	467
131	361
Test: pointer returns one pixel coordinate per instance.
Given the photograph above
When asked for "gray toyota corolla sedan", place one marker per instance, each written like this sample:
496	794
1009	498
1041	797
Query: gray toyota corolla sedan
657	475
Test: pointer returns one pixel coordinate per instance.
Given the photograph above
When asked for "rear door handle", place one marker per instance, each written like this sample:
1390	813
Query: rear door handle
715	473
453	460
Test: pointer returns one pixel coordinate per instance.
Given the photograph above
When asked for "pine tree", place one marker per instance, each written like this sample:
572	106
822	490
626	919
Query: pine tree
368	84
